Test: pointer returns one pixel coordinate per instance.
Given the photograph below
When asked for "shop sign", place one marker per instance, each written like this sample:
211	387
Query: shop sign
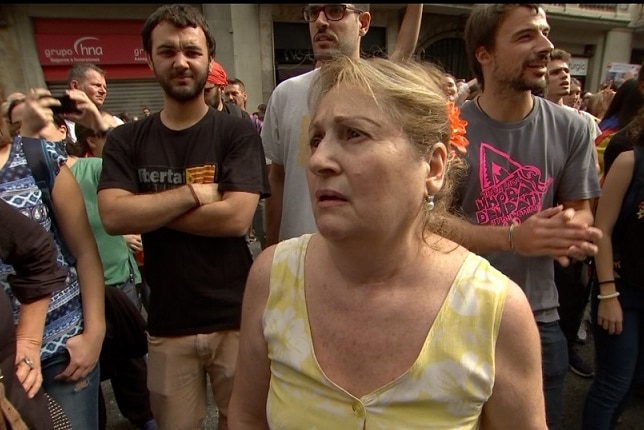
578	66
67	49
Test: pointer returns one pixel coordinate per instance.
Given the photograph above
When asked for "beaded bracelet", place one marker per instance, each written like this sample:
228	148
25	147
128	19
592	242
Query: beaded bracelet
608	296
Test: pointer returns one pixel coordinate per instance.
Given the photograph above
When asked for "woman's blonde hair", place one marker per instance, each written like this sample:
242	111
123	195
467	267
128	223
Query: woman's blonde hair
411	94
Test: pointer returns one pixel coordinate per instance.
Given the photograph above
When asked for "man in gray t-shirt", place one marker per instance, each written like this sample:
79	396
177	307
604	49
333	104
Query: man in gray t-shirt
524	155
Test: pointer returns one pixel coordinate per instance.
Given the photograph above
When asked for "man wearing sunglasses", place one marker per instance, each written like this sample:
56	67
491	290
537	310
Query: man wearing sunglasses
335	29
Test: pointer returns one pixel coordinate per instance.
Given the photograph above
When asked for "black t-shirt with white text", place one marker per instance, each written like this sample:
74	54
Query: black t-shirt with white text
197	282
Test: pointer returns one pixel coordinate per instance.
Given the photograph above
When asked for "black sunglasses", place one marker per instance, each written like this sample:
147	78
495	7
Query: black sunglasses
333	12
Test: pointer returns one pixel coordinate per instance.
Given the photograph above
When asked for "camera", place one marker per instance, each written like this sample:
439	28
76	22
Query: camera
67	105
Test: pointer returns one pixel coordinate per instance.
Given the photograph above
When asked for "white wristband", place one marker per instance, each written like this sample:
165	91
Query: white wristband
608	296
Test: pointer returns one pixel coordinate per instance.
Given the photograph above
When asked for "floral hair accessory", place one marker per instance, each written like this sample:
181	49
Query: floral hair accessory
457	140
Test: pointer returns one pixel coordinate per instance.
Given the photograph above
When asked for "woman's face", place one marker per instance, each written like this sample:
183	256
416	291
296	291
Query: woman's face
363	175
53	132
449	86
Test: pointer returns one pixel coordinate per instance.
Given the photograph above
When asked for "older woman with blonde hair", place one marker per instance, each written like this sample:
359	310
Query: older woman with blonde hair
379	320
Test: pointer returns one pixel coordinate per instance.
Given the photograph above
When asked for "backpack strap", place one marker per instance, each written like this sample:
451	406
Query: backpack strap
36	154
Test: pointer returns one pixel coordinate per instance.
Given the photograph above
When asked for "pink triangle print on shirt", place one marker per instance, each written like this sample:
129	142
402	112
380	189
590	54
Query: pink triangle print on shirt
509	190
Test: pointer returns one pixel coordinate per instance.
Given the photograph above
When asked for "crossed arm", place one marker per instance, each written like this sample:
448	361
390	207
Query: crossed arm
211	214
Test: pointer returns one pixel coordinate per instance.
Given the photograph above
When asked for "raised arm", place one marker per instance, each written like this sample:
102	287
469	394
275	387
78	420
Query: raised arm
408	34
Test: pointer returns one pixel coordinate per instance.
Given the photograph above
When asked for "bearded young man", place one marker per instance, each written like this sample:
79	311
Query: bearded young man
532	176
188	178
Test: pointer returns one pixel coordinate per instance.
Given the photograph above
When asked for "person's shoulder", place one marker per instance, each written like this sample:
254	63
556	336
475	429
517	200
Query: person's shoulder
126	128
118	120
560	112
299	81
89	161
87	166
231	121
624	132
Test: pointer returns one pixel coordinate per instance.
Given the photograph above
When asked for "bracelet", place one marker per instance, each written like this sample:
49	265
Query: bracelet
510	237
194	194
608	296
612	281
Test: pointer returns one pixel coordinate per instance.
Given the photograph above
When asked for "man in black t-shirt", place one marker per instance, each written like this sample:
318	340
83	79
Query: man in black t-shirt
188	178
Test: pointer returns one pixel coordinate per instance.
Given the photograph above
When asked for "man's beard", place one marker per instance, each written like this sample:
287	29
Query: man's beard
183	94
520	83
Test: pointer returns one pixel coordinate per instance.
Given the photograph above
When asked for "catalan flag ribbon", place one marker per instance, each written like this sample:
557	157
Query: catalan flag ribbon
201	174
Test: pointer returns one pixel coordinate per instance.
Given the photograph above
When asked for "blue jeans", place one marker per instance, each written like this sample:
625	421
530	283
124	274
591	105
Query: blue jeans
618	361
554	363
78	399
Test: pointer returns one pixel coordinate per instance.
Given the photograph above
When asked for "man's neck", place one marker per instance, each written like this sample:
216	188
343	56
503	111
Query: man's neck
505	106
558	100
181	115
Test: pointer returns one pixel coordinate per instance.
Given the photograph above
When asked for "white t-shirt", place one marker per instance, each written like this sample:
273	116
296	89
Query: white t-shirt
285	139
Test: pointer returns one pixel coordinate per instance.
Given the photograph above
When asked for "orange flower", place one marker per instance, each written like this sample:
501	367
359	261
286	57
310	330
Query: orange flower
457	140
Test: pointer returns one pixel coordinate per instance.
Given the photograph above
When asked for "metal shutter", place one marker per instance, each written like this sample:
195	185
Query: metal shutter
126	96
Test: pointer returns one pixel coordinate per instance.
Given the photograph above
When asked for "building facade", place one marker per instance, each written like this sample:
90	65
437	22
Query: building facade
264	44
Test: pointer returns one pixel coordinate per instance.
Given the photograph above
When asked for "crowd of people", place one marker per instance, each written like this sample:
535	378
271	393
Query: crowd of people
382	242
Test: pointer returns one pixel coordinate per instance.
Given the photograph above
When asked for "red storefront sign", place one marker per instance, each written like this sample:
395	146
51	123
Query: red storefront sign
59	49
114	45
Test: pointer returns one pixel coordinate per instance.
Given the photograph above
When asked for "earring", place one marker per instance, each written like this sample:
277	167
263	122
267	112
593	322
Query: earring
429	202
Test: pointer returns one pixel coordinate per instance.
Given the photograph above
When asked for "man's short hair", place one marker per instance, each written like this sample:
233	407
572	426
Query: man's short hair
561	55
362	7
77	71
180	16
236	81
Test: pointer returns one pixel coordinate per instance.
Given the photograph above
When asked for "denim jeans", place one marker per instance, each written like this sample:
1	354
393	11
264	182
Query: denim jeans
78	399
554	363
619	359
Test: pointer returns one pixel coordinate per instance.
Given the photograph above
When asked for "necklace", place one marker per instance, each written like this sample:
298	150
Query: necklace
478	104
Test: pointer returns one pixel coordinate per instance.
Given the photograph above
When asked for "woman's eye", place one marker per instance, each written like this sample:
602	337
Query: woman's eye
314	141
353	133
